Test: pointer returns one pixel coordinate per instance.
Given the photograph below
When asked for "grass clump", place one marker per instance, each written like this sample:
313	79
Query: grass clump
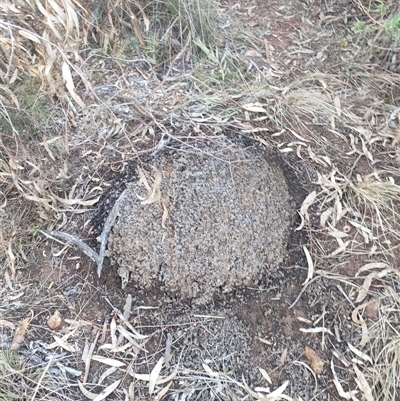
33	116
384	343
20	380
377	32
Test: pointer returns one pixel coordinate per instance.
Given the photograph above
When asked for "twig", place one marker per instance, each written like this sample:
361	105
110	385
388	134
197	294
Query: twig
86	249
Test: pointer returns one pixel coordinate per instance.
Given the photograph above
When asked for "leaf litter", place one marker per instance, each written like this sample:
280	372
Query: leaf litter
334	187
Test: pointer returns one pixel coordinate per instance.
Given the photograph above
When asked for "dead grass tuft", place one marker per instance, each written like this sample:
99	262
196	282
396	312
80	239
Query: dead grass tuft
21	378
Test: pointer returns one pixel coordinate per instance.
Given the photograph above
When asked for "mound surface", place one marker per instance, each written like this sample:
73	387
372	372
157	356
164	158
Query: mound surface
198	225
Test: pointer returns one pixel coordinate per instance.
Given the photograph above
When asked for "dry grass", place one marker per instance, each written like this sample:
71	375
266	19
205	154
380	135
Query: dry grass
384	342
94	105
24	378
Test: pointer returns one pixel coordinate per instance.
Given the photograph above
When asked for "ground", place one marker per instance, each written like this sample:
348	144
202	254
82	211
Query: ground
329	147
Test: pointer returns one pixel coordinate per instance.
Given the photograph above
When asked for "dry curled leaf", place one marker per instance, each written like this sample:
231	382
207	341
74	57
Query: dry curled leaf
69	83
363	384
310	262
153	191
154	375
254	107
19	335
316	363
55	320
304	209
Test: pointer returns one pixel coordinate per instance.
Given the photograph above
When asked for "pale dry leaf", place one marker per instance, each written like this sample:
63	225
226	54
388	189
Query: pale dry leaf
314	157
360	354
131	391
254	107
136	29
363	291
363	384
355	316
298	136
209	371
278	393
299	363
29	35
339	388
334	232
58	10
262	389
283	357
113	349
102	339
11	94
127	311
55	320
85	392
368	281
340	249
63	344
365	232
71	202
255	395
128	336
134	333
154	194
310	272
146	20
11	260
317	330
49	19
87	355
107	391
154	374
19	335
69	83
338	106
9	7
113	331
169	377
162	392
341	358
108	361
308	201
264	341
316	363
265	375
72	20
370	266
64	338
143	181
61	251
51	56
304	320
107	373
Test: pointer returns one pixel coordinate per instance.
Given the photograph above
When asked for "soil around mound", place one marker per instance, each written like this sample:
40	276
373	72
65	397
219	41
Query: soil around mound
200	225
